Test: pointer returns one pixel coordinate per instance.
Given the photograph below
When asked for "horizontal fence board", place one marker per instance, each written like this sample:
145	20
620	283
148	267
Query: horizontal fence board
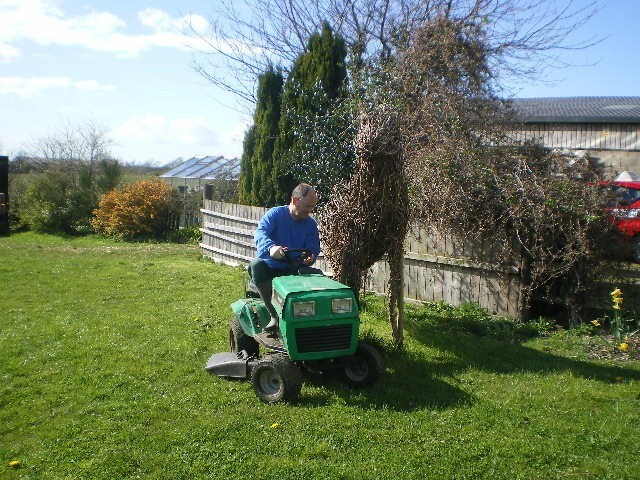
437	267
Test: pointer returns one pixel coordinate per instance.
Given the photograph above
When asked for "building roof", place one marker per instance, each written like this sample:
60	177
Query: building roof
578	109
208	168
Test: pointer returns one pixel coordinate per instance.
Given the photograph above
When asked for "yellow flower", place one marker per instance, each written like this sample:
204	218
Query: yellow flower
616	307
624	347
595	323
616	293
15	464
275	425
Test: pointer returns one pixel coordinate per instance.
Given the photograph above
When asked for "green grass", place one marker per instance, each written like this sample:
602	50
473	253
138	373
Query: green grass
102	353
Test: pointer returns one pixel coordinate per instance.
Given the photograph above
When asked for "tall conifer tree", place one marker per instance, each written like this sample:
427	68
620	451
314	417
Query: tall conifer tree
256	182
310	146
246	168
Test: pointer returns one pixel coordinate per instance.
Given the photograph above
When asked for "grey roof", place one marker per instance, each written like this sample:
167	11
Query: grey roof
209	168
578	109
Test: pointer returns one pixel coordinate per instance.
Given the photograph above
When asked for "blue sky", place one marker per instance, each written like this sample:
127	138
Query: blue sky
127	65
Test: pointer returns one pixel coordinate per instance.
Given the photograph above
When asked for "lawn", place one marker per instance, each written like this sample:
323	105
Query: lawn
102	353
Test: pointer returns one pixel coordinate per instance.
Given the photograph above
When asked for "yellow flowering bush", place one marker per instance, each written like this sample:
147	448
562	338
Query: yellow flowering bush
141	208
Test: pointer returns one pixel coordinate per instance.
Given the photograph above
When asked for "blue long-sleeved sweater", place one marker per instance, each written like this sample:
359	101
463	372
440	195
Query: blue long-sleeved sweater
277	227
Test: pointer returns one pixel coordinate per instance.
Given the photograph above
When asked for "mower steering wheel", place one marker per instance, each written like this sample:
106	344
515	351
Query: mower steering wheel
296	261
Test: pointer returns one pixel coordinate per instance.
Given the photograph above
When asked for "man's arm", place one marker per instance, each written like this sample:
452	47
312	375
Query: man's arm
262	234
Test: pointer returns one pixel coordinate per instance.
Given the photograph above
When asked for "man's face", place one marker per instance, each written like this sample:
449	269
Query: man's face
302	207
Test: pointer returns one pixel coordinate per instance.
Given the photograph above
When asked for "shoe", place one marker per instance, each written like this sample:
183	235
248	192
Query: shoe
272	326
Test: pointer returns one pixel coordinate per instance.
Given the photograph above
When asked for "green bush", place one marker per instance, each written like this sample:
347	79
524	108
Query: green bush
59	197
189	235
51	203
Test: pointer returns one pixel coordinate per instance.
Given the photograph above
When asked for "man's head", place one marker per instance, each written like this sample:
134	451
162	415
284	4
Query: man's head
303	200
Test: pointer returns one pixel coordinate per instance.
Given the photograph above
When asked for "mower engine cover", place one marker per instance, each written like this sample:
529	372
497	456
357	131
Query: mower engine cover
318	316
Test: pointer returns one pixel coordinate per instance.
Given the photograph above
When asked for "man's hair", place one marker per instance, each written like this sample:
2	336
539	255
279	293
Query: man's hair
302	190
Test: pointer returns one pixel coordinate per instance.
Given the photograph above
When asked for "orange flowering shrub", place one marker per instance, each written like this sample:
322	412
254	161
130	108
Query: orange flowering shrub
141	208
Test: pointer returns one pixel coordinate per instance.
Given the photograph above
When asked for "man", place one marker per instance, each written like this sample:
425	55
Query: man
283	228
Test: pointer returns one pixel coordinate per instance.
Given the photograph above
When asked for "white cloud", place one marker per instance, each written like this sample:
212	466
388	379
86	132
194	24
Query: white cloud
162	139
43	22
32	87
155	19
8	52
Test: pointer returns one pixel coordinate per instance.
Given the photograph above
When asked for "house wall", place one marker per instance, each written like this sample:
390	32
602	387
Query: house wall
616	145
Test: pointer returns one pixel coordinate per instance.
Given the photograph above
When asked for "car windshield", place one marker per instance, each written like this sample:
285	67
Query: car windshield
623	196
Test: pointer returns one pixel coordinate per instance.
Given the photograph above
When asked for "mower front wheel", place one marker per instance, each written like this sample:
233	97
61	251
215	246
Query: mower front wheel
276	378
364	367
238	340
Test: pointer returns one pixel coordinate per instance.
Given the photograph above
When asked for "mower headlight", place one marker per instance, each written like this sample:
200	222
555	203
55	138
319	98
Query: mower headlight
304	309
341	305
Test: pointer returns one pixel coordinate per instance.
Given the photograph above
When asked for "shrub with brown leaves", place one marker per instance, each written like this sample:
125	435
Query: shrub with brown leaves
142	208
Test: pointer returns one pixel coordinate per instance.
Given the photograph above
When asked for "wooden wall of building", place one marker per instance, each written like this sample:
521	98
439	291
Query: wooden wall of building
584	136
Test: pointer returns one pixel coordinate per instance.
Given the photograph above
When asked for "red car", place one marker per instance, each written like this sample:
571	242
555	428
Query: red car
624	208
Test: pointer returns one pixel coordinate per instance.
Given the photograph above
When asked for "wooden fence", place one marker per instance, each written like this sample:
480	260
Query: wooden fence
437	267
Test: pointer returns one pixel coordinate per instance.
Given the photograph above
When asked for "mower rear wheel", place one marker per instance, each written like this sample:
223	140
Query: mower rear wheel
364	367
276	378
238	340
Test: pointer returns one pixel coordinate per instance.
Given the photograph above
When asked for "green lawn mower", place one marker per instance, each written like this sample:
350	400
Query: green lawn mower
319	331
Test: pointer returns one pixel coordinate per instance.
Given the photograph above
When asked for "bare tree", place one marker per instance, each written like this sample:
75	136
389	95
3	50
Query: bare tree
84	142
524	37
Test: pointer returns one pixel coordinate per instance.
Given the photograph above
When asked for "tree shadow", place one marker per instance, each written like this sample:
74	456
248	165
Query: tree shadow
408	384
496	355
411	383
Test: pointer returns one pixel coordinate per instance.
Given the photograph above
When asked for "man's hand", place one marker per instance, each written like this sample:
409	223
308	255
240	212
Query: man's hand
276	252
308	260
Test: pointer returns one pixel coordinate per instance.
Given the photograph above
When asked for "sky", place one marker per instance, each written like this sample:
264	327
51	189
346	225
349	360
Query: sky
127	65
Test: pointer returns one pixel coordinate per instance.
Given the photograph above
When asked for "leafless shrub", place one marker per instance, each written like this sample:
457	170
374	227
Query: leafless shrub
368	217
468	177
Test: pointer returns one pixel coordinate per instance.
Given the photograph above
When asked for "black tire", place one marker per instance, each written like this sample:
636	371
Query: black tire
364	367
276	378
238	340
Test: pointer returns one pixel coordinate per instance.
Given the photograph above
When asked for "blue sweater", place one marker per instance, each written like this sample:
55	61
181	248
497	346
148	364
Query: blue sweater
277	227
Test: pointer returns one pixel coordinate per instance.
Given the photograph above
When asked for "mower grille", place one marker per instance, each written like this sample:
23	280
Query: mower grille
323	339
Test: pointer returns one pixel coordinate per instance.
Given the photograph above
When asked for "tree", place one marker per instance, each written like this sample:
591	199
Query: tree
245	181
520	199
310	129
523	37
256	185
266	122
438	64
72	167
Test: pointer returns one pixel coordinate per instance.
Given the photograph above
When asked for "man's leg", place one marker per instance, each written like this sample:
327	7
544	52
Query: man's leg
262	277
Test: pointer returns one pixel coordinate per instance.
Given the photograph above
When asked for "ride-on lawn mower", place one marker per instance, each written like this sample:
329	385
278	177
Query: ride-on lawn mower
319	330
